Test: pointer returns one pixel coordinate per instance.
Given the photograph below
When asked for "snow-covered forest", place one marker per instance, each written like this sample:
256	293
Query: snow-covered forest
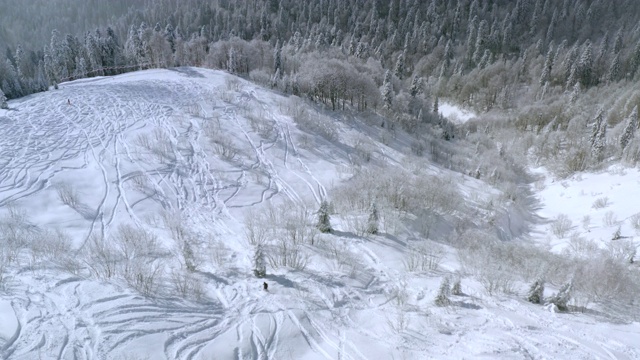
441	178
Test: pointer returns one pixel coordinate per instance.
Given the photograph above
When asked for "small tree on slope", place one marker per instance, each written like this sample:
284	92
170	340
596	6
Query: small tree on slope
3	101
442	299
374	218
324	221
561	299
630	129
259	263
536	292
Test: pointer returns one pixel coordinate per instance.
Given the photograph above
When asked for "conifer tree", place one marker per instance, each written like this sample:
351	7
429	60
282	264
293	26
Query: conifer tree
536	292
324	220
442	299
259	262
630	129
598	135
387	91
3	101
456	288
562	298
372	222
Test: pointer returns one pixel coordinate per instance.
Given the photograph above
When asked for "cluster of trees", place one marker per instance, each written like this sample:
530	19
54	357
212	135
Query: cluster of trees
362	54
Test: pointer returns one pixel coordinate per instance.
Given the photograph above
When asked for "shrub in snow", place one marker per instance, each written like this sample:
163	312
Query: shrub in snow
600	203
561	226
259	263
536	292
442	299
324	221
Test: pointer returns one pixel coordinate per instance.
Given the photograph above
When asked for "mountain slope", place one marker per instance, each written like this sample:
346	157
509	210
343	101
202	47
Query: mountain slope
161	179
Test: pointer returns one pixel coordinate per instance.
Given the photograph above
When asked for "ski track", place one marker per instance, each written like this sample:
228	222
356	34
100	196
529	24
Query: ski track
38	152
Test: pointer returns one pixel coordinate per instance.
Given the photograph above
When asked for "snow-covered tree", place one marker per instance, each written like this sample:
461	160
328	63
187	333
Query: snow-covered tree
374	219
416	86
259	262
324	220
456	288
585	66
598	134
387	90
400	64
562	298
3	101
536	292
442	299
630	129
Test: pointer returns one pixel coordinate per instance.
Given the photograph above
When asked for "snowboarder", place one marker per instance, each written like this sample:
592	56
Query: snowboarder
265	286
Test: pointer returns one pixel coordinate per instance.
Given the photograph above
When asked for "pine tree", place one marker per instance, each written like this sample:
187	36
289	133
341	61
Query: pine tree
259	262
598	135
400	64
614	69
277	59
442	299
630	129
562	298
536	292
416	86
372	222
436	107
3	101
456	288
585	66
387	91
324	220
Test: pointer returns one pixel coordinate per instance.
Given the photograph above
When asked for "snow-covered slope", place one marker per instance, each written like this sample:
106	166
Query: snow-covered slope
213	153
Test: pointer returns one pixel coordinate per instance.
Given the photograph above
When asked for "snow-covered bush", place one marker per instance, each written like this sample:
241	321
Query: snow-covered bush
600	203
609	219
561	226
187	285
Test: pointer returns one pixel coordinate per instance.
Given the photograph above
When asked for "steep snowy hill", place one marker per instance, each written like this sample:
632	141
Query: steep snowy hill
131	209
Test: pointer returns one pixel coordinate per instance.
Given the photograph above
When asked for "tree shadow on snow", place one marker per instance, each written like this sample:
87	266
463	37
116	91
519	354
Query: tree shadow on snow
280	280
187	71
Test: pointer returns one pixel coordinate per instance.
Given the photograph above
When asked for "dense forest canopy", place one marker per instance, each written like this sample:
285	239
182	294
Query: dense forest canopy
395	56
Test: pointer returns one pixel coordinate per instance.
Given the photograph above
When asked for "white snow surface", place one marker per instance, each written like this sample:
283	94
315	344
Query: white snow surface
319	313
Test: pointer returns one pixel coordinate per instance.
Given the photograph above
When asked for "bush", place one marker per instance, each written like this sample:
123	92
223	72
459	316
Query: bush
600	203
561	226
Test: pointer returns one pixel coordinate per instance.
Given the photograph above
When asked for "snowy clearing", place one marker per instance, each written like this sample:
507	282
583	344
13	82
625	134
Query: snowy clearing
202	152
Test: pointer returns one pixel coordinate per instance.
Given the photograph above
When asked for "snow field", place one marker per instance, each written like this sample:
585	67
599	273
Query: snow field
193	156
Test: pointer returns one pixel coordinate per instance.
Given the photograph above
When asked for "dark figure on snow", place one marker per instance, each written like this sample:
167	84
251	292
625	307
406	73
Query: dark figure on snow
69	101
265	286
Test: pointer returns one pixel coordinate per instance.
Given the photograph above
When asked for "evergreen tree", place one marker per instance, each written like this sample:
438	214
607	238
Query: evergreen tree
324	220
387	91
614	69
585	66
277	59
374	219
598	135
3	101
400	64
536	292
562	298
456	288
442	299
259	262
630	129
416	86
